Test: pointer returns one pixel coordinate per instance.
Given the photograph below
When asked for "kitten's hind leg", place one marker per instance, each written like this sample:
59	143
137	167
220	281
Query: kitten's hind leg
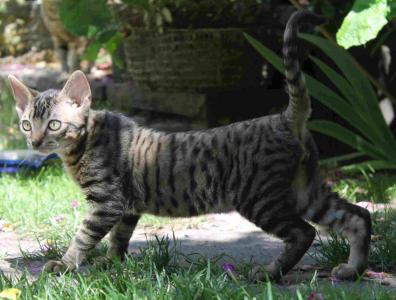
120	235
297	235
353	221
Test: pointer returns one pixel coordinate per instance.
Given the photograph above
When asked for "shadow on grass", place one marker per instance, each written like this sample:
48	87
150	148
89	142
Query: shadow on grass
181	254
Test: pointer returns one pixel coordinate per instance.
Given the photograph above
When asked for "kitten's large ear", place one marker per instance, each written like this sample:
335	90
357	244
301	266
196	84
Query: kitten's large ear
77	89
22	94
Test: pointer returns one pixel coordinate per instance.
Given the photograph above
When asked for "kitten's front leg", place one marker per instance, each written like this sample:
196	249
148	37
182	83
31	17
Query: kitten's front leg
98	222
120	235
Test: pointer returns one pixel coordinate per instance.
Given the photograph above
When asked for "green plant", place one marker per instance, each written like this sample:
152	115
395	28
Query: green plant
331	251
101	22
376	188
364	21
159	271
354	100
367	186
95	23
383	249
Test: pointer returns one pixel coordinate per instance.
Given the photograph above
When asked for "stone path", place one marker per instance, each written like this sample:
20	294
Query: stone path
226	235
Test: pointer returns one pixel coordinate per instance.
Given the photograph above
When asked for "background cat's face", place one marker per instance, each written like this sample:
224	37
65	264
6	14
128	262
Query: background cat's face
53	120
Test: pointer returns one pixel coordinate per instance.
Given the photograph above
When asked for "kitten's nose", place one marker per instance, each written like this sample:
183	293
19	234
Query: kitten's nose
37	143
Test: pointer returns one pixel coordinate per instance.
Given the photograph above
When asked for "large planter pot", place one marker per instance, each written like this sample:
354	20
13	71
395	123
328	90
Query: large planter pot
191	59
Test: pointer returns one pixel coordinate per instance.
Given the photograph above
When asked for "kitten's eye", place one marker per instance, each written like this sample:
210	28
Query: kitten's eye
54	125
26	125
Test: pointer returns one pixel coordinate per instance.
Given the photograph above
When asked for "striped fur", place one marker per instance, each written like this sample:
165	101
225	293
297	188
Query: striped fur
299	108
263	168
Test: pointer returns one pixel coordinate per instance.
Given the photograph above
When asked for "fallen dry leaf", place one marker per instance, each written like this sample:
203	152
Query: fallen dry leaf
12	294
5	227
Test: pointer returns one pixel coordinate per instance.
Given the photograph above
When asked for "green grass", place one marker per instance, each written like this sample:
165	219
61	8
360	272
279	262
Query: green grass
368	186
40	203
372	187
157	274
10	137
334	250
34	202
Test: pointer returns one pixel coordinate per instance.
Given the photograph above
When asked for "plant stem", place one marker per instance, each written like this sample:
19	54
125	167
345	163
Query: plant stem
373	80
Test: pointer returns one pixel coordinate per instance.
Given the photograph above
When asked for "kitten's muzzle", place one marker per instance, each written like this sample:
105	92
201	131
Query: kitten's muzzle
37	143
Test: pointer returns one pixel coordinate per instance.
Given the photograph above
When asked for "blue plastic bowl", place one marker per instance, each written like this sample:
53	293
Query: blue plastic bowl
13	161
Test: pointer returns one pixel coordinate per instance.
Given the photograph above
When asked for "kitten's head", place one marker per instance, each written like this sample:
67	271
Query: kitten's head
53	120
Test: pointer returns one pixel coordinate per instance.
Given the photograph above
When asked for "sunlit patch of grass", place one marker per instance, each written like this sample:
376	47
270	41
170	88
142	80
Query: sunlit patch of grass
10	137
369	186
156	273
154	221
39	203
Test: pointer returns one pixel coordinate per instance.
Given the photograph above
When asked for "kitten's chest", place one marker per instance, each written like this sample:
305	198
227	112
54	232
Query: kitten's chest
78	171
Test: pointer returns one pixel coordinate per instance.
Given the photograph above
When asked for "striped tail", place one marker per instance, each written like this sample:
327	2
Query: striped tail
299	108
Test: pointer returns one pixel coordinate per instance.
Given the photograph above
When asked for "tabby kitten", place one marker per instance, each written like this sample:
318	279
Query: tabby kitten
66	45
265	168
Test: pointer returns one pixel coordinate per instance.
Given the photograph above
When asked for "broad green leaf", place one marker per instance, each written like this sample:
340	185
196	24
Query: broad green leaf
325	95
318	90
345	63
360	109
91	52
79	15
337	104
392	6
117	60
112	43
363	22
339	82
105	35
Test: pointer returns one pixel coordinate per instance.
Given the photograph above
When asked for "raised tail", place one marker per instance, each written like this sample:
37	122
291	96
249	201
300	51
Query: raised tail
299	108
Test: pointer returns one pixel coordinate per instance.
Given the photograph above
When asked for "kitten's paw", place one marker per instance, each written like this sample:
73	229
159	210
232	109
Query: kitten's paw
102	262
345	272
116	253
57	267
